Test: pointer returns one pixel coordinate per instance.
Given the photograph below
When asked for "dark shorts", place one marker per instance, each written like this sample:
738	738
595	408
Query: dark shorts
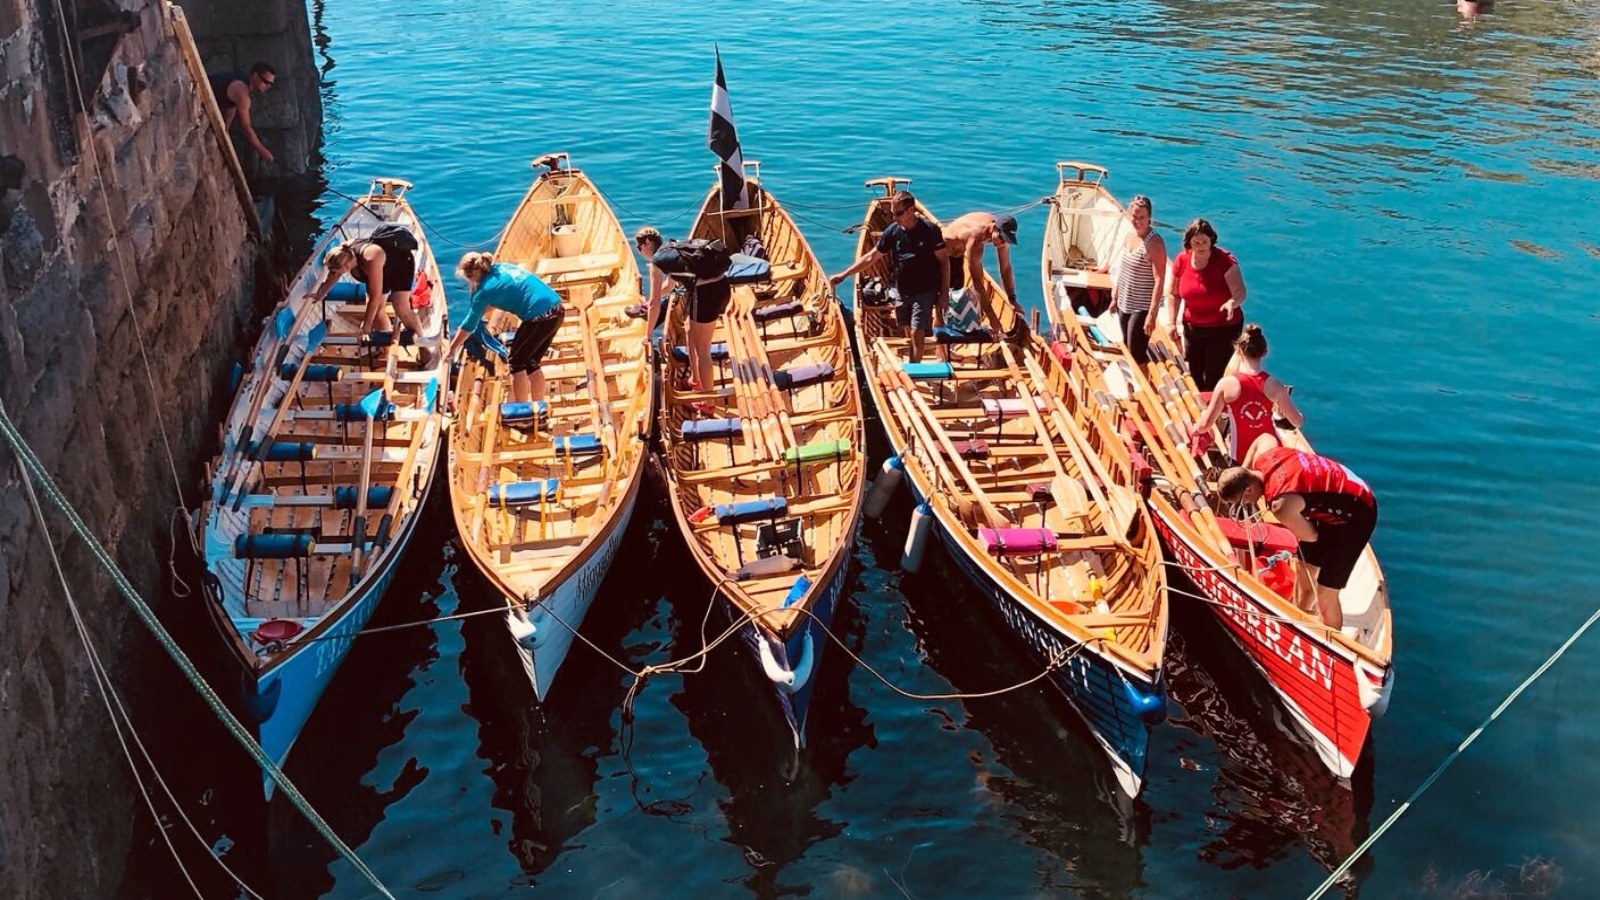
399	272
916	310
1338	548
958	272
708	301
533	340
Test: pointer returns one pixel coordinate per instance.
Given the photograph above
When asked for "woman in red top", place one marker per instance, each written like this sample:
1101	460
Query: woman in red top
1328	508
1206	278
1250	397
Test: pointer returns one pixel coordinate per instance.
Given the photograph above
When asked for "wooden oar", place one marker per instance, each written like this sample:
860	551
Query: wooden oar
314	340
370	405
929	430
407	475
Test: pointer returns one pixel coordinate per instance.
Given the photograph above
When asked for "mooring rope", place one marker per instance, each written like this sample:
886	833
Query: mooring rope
1450	759
120	719
34	467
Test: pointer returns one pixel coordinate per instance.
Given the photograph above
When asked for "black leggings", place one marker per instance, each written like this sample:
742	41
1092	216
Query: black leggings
1133	336
1208	349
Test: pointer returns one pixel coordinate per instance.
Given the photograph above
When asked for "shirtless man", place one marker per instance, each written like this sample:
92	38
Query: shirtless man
233	92
965	237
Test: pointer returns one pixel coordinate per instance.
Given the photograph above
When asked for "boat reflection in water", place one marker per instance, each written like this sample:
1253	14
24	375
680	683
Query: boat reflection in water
1271	790
773	789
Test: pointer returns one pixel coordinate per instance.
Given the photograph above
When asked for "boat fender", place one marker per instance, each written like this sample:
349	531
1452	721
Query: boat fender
1151	707
521	628
786	679
884	487
917	537
802	667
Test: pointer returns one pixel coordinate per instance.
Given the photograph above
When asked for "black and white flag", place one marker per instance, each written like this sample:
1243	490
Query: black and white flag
724	142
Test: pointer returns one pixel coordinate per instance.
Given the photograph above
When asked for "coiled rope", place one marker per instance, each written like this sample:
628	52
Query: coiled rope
34	468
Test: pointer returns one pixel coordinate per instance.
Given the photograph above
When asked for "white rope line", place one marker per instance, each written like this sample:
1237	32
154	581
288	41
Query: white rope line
116	247
1450	759
108	695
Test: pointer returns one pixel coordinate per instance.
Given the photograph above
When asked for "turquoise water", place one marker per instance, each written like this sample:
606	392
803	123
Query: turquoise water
1412	200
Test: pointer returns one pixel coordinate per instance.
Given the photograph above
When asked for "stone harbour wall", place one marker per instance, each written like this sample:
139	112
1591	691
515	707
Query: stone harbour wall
120	229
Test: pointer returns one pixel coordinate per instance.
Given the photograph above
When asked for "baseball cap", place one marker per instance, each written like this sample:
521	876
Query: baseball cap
1008	228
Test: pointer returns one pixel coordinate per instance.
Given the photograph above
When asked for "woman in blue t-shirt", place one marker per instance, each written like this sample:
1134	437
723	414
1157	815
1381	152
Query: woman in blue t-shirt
519	292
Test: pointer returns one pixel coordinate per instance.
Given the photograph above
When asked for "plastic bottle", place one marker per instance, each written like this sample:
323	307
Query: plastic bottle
1097	594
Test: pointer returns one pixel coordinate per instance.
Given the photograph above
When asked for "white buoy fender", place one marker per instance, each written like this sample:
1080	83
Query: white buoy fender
789	680
521	628
884	487
776	673
917	537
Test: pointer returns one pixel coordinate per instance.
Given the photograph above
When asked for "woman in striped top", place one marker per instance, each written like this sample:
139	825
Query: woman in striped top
1140	271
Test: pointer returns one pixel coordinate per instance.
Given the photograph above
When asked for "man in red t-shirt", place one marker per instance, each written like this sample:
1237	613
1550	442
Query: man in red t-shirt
1326	505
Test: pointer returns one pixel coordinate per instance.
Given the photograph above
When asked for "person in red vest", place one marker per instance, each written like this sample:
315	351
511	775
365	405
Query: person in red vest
1249	396
1330	510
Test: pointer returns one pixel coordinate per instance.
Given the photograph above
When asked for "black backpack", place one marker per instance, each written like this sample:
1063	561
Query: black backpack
698	259
393	238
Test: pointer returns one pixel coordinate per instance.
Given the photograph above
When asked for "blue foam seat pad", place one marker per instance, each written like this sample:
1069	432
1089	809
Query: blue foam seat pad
746	510
378	496
285	451
574	444
800	376
512	411
314	372
280	545
928	371
523	493
352	412
719	351
708	429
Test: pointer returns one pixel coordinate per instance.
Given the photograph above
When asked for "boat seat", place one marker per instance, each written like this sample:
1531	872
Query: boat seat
578	444
719	352
777	311
972	450
1017	541
352	412
800	376
1269	538
927	371
314	372
512	411
750	510
378	496
275	545
283	451
1007	407
821	451
524	493
945	334
710	429
347	292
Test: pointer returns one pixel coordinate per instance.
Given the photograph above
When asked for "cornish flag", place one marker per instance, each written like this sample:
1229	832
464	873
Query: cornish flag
724	142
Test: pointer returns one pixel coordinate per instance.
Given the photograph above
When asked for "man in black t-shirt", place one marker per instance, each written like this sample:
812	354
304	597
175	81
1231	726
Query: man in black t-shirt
917	257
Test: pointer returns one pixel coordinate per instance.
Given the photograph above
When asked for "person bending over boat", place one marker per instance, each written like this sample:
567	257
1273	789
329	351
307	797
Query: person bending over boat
1136	279
708	299
918	260
523	294
658	284
386	262
1330	510
232	91
1249	396
966	236
1206	279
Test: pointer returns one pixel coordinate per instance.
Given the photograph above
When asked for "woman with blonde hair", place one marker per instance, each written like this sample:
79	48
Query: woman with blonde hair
386	262
523	294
